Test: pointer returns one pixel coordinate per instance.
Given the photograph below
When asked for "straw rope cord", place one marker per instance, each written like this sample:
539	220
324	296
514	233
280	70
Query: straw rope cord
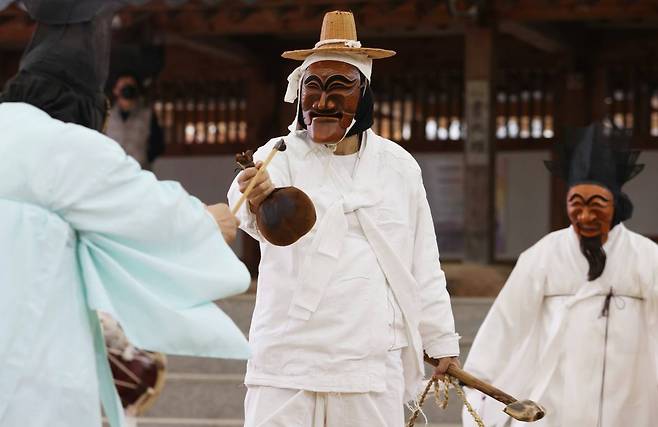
421	401
442	401
469	408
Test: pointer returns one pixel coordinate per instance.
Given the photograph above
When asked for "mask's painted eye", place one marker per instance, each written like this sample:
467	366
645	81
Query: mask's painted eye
312	85
337	85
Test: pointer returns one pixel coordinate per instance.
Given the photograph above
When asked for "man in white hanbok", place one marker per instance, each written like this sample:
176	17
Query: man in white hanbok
575	327
343	315
84	229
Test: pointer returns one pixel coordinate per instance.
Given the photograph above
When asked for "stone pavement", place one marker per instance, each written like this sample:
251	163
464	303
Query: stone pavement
209	392
190	422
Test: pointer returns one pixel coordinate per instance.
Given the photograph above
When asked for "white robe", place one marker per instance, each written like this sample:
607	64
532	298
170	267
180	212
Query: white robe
319	323
545	336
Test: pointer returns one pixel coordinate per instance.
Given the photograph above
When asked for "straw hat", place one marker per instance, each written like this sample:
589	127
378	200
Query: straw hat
338	35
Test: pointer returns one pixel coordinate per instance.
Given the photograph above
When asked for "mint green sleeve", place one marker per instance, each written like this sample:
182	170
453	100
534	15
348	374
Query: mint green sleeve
149	253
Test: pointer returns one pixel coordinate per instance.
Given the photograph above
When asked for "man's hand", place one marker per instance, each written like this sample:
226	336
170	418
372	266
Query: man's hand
225	220
261	190
443	365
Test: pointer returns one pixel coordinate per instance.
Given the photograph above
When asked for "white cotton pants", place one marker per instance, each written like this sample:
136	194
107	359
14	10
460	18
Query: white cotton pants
282	407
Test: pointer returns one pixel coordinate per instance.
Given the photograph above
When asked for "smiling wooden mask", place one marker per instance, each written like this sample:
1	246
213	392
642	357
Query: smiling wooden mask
590	208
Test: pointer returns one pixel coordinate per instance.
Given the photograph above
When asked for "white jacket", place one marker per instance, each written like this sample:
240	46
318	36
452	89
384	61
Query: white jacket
315	325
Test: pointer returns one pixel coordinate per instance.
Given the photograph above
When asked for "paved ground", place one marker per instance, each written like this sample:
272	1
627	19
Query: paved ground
190	422
209	392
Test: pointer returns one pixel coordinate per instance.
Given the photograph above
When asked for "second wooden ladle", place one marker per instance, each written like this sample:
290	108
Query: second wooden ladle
521	410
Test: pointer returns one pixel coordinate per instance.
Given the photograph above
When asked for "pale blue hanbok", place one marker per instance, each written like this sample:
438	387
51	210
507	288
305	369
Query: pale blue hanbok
83	228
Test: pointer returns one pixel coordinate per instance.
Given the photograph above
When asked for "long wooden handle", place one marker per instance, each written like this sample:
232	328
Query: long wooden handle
252	183
476	383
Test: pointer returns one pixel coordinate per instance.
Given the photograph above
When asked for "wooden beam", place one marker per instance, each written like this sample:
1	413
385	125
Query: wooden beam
289	18
516	10
573	100
9	62
570	10
533	37
222	50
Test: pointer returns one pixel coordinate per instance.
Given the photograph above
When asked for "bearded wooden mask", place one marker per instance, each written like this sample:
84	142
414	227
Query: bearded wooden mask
329	99
590	208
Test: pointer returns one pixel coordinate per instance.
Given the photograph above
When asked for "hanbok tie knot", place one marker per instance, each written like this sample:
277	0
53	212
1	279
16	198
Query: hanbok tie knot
320	261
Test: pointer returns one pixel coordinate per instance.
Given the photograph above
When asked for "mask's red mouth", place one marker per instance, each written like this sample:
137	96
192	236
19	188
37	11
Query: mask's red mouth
589	230
325	115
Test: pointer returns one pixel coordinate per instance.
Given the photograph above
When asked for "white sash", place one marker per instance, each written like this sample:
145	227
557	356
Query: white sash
318	266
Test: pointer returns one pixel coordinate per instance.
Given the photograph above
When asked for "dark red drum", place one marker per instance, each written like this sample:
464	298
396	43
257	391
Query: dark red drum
139	375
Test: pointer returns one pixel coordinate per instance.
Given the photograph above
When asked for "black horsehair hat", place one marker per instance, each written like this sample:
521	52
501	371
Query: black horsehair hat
599	155
65	66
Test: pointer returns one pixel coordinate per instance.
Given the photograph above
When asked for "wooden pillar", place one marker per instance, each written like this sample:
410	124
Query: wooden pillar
598	86
479	145
573	110
261	101
9	61
579	102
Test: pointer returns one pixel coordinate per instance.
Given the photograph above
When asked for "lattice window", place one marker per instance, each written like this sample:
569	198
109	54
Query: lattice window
524	106
202	113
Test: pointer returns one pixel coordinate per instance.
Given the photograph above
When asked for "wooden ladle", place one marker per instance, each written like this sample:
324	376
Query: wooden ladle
521	410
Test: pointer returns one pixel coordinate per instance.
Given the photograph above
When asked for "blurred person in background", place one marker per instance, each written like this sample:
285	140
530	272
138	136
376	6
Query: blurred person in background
132	123
574	328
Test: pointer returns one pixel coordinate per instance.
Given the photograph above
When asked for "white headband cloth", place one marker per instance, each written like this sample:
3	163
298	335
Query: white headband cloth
362	62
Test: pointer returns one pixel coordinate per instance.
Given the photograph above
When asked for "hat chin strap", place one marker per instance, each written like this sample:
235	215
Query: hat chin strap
334	145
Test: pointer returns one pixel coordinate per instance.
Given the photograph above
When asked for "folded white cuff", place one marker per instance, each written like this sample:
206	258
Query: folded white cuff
445	346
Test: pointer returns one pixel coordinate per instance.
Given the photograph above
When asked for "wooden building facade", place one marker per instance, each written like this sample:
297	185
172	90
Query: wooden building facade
480	88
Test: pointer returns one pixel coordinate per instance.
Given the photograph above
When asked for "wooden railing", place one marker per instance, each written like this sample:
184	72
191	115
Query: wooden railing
525	106
201	113
427	111
424	110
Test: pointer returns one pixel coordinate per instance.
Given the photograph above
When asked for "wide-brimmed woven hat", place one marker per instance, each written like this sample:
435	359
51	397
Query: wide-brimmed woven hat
338	35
